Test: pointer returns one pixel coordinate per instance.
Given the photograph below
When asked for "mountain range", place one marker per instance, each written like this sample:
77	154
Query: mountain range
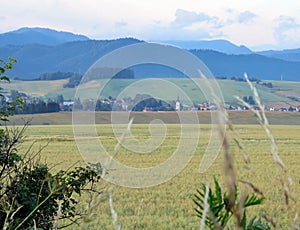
40	50
288	55
42	36
222	46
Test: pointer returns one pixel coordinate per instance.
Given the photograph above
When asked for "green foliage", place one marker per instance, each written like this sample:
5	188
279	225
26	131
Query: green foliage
30	191
254	224
6	65
30	194
17	105
6	107
99	73
218	204
219	210
57	76
249	100
73	81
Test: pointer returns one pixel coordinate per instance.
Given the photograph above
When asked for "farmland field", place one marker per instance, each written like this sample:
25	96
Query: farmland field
204	117
169	205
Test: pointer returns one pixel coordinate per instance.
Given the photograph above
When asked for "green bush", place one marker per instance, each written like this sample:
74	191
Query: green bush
30	194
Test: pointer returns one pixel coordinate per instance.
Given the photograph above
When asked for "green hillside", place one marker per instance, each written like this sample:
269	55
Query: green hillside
287	92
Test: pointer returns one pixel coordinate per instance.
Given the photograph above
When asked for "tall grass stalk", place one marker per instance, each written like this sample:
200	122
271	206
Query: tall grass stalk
117	148
285	180
114	213
263	120
229	170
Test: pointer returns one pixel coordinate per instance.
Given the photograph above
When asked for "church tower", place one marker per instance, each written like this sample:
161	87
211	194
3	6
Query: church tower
178	105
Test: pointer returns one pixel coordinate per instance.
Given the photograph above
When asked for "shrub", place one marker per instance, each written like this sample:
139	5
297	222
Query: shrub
30	194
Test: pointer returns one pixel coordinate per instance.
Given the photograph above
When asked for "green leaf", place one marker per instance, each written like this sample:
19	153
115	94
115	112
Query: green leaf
257	225
11	59
244	220
4	78
252	200
8	65
218	190
219	205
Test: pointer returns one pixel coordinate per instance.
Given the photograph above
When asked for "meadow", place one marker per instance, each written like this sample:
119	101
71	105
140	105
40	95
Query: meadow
282	91
170	205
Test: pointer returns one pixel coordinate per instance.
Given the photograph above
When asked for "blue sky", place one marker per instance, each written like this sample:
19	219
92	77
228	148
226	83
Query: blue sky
257	24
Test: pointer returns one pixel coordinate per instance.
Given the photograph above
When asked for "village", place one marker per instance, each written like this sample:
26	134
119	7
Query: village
144	103
140	103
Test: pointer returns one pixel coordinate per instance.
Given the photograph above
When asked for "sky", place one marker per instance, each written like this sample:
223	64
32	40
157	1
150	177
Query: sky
258	24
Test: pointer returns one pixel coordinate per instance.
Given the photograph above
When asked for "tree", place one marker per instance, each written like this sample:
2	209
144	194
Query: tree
77	104
52	107
269	85
60	99
251	100
100	106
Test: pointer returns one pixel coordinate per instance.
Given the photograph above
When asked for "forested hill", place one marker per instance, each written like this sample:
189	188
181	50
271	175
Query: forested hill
41	51
78	56
255	65
288	54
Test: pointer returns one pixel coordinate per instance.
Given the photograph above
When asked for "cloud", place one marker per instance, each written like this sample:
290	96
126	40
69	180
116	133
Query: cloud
164	32
287	30
191	25
246	17
186	18
287	22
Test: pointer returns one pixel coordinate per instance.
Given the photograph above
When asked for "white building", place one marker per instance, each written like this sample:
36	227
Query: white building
178	105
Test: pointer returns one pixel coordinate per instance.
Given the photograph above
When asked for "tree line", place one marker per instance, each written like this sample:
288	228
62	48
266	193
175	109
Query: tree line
139	103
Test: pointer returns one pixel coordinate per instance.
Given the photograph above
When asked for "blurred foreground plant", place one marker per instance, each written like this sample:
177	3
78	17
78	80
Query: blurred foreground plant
31	196
214	210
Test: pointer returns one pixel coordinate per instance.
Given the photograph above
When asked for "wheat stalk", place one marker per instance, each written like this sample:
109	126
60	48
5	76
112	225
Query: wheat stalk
117	148
263	121
114	213
229	170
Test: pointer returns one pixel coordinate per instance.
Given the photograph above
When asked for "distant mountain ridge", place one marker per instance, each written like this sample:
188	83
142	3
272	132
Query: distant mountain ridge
78	56
46	51
37	35
288	54
222	46
255	65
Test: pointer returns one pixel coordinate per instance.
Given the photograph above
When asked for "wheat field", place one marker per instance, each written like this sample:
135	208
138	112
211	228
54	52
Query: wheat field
170	205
